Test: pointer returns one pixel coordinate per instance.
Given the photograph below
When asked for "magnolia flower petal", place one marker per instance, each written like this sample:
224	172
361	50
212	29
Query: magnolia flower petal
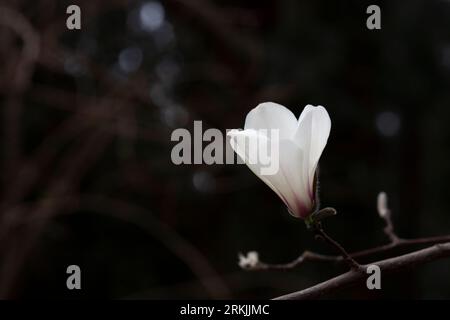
294	179
312	135
246	150
290	182
306	110
270	115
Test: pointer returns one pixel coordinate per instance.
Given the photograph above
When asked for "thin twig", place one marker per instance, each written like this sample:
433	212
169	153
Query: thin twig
304	257
347	258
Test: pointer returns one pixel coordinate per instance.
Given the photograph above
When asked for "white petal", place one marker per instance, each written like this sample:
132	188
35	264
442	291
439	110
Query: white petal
247	151
270	115
312	135
290	182
294	179
306	109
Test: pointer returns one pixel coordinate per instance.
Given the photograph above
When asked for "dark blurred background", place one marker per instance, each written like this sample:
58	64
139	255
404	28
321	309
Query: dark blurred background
87	115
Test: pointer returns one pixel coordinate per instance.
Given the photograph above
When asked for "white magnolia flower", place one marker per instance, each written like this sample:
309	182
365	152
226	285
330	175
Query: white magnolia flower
301	143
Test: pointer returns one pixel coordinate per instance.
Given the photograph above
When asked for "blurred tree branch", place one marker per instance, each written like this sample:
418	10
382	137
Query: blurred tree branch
132	213
18	73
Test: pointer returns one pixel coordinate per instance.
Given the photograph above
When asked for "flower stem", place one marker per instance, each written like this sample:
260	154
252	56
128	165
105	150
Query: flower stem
348	259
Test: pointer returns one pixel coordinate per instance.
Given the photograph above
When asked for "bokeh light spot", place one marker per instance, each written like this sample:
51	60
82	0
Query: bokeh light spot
151	16
130	59
388	123
203	181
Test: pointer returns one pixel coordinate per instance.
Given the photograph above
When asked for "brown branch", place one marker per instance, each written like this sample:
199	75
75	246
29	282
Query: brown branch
436	252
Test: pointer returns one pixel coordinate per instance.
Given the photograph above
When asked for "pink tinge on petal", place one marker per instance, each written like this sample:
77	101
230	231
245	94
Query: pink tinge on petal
301	210
305	211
